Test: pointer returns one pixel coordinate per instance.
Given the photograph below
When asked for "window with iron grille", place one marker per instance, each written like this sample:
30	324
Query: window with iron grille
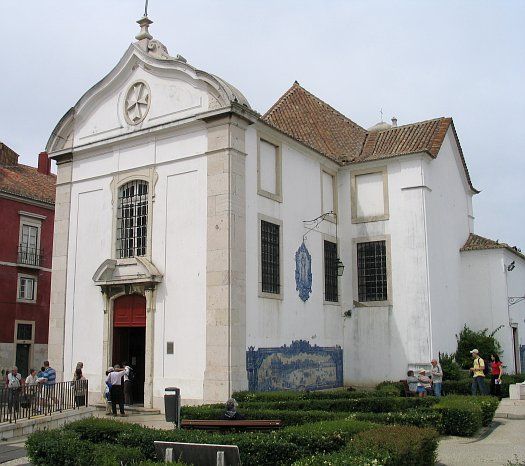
24	332
330	272
372	271
270	267
132	219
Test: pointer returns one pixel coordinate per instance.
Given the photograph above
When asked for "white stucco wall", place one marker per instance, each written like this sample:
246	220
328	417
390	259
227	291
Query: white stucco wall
448	214
486	286
381	342
276	322
178	251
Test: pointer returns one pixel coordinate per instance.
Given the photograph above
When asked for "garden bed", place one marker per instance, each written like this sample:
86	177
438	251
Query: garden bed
331	427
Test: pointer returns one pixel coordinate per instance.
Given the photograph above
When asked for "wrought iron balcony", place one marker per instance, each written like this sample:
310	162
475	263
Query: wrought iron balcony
29	256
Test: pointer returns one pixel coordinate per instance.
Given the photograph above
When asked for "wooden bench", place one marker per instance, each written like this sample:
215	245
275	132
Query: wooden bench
406	388
248	425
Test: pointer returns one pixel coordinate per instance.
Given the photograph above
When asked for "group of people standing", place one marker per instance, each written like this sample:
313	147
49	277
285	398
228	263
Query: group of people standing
119	388
431	382
27	391
479	371
427	382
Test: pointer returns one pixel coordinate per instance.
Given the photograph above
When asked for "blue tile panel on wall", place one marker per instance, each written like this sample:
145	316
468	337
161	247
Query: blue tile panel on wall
299	366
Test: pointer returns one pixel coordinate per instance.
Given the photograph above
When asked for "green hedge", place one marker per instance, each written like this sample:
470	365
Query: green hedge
61	447
454	415
287	395
289	417
83	442
375	405
384	446
459	417
391	388
463	386
411	417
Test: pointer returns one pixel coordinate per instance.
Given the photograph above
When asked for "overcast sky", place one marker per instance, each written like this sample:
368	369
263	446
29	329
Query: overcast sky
414	59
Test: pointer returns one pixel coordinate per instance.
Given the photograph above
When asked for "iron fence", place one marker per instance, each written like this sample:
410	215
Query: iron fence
29	401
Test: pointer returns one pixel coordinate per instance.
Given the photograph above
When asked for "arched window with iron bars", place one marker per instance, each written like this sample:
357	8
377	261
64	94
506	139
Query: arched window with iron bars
132	219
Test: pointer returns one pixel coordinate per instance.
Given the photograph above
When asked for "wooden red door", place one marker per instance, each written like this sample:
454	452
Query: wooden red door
129	311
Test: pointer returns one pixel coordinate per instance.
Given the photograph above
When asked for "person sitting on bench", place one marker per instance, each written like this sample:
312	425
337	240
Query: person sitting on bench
231	413
412	382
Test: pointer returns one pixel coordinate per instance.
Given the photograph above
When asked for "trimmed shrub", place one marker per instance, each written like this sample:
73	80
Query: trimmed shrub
65	447
57	447
412	417
344	458
375	405
391	388
323	436
405	445
459	417
288	417
286	395
384	446
115	455
487	404
135	443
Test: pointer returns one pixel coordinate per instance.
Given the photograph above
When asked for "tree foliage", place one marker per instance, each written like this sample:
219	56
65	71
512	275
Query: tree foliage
451	369
483	341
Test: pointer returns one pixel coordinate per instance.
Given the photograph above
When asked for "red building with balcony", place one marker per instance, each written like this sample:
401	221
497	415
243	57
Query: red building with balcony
27	210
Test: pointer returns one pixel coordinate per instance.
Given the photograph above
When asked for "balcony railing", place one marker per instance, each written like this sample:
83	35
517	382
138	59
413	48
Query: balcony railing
29	401
29	256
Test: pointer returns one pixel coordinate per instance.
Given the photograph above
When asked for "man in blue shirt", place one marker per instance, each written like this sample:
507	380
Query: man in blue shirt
49	374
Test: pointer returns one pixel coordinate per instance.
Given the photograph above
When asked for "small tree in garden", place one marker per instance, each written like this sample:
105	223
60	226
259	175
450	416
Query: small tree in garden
485	342
451	369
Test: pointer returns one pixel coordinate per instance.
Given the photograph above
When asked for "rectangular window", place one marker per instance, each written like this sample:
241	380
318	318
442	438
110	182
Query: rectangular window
328	192
372	277
132	219
270	265
369	195
330	272
28	252
269	168
26	288
24	332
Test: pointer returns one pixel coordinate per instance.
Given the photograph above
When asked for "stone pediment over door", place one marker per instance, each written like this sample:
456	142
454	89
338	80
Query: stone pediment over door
137	270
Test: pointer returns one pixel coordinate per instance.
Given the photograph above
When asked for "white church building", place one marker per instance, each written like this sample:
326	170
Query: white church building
205	244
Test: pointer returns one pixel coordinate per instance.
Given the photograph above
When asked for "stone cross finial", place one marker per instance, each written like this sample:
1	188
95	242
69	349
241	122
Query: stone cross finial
144	23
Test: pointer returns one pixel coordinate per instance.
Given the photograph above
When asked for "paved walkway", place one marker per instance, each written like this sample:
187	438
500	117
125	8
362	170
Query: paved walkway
13	452
501	443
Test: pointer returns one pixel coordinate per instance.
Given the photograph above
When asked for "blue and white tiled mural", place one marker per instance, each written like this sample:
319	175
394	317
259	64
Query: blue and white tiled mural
299	366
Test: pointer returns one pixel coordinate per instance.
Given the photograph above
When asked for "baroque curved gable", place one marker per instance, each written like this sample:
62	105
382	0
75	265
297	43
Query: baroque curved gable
147	88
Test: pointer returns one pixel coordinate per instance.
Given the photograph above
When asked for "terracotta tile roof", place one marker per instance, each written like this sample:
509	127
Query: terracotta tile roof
425	136
309	120
22	180
478	243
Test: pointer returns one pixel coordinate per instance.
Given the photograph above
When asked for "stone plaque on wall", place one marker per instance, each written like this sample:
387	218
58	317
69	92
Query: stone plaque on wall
299	366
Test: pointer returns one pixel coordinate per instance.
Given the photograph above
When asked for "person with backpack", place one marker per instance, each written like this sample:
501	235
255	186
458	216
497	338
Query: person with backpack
478	373
129	377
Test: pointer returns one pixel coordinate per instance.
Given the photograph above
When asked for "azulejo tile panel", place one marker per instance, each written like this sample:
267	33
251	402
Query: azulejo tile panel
299	366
